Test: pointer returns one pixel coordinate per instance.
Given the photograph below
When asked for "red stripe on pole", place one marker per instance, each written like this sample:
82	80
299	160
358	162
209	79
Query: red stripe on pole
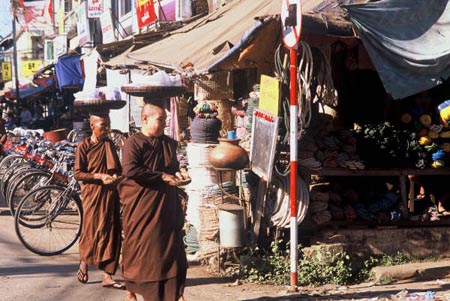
293	78
293	189
294	278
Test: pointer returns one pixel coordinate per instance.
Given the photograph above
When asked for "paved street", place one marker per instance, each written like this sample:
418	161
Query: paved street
27	276
30	277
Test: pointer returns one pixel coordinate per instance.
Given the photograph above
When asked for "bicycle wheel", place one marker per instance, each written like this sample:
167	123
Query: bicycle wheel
17	177
48	220
8	161
24	184
8	174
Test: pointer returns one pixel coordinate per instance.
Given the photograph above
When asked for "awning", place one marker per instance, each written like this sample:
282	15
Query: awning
27	92
205	41
209	41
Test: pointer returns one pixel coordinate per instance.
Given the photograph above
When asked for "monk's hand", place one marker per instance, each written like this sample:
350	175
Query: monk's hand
169	179
179	175
105	178
182	180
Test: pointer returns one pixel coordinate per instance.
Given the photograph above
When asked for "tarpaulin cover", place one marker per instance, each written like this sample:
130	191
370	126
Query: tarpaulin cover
209	41
68	71
25	92
199	42
407	41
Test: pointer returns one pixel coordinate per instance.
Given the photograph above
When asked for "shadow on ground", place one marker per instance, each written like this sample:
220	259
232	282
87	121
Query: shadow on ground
375	294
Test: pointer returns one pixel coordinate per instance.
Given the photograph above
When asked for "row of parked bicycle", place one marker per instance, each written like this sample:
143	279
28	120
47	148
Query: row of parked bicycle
37	183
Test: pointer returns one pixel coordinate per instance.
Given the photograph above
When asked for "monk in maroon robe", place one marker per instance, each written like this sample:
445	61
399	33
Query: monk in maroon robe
97	166
154	260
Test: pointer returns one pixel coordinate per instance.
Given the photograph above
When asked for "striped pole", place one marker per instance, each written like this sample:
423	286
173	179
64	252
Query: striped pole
293	108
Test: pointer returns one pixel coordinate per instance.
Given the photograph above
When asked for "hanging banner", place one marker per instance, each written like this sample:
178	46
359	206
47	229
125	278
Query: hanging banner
37	15
84	34
145	12
6	71
94	8
107	27
60	45
60	18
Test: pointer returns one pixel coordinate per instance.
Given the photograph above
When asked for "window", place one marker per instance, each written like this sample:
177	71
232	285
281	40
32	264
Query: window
124	7
67	6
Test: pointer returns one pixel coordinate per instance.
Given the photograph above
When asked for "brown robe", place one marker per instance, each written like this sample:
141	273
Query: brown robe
100	239
153	248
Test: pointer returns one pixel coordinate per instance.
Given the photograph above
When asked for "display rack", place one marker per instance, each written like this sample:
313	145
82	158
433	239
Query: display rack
402	173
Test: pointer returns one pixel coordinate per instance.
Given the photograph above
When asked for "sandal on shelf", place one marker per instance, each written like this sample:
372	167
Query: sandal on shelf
82	276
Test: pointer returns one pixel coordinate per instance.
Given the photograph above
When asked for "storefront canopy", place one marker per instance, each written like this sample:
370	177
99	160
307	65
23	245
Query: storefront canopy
28	92
226	31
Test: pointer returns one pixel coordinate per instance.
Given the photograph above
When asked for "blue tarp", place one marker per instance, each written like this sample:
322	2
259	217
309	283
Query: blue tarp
68	71
407	41
27	92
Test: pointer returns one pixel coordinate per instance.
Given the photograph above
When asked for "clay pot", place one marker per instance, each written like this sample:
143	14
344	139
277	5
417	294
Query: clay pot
228	155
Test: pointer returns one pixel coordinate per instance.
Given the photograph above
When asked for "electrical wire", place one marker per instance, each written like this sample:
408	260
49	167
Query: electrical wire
304	79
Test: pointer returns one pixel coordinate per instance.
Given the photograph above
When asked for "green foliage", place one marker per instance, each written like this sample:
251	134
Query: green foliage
270	267
273	267
318	267
325	267
365	272
396	259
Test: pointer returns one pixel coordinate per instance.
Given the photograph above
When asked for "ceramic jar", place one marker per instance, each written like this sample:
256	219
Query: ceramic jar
228	155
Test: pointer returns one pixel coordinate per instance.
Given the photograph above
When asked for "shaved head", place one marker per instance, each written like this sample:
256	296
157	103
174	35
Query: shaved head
153	120
150	109
100	125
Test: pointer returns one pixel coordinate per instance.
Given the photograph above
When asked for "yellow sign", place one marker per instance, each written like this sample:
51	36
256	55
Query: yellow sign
60	18
269	95
30	67
6	71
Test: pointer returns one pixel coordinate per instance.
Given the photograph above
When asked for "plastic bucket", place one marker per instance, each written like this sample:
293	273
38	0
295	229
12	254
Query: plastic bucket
231	225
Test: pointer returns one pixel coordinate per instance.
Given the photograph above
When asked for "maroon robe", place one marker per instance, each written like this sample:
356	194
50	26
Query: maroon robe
153	248
100	239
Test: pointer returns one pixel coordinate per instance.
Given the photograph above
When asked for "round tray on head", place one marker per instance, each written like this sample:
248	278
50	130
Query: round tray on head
151	91
98	104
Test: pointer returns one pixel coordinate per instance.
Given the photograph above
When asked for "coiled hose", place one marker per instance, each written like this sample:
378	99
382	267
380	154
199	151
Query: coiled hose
278	202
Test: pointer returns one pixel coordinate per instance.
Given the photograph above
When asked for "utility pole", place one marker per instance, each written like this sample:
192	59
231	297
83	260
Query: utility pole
16	73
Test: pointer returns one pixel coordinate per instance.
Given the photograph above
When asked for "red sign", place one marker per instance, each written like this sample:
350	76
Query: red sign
145	12
291	21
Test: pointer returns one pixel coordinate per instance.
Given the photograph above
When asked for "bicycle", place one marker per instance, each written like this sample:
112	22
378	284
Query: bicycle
48	220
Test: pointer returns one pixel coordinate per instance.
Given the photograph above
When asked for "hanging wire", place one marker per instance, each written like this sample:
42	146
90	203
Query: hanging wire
304	79
282	74
281	69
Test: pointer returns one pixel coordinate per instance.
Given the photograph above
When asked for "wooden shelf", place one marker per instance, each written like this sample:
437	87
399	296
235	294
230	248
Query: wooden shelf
377	172
402	173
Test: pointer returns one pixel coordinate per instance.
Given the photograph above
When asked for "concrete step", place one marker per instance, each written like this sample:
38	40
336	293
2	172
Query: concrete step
413	271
